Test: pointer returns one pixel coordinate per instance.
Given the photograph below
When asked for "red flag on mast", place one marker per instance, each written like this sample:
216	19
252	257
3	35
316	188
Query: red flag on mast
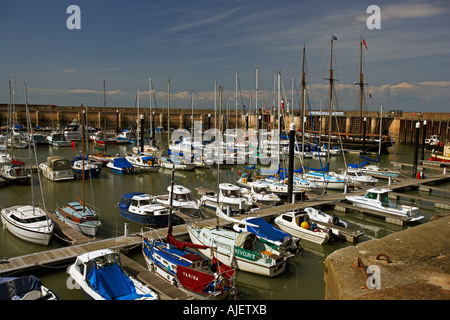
364	43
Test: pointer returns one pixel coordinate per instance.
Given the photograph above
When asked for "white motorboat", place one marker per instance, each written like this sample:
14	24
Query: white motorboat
101	276
170	163
28	223
58	139
5	157
16	173
260	192
356	177
89	167
230	196
243	251
73	132
299	225
57	168
25	288
378	199
182	200
144	162
326	180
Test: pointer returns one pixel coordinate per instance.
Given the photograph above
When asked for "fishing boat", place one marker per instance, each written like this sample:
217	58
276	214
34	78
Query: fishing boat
142	208
267	232
230	198
181	200
122	166
57	168
299	225
378	199
445	157
25	288
29	223
260	192
177	164
87	166
101	276
243	251
57	139
144	162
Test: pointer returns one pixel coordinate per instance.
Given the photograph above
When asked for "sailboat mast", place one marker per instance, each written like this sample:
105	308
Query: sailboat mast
331	80
82	151
168	112
361	85
219	152
303	116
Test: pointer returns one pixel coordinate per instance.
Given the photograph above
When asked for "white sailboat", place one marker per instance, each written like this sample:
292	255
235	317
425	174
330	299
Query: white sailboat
28	222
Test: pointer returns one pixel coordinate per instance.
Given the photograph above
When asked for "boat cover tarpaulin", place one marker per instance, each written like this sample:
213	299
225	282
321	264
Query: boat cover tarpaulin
122	163
112	283
11	287
266	230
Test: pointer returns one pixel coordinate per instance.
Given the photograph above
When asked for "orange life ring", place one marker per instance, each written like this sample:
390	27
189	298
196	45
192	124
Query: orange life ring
244	181
150	162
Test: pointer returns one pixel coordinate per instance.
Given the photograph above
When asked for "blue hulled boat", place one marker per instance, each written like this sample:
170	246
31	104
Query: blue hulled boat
122	165
142	208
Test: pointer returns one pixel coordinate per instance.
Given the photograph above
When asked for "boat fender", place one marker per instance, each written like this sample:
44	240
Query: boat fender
305	225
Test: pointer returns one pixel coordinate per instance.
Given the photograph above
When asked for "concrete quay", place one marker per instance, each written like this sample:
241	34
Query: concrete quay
414	264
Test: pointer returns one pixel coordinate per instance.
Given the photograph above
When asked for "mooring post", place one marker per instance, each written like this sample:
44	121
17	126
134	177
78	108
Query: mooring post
291	163
416	149
424	132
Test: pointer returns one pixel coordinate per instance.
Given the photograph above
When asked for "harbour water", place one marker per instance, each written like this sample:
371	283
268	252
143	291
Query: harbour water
303	278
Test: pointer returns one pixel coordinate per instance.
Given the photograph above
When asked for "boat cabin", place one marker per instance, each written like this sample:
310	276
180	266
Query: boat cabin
57	163
229	190
379	194
180	193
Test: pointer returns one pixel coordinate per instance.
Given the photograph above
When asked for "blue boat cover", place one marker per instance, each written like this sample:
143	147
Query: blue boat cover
373	160
112	283
266	230
122	163
324	169
11	287
358	165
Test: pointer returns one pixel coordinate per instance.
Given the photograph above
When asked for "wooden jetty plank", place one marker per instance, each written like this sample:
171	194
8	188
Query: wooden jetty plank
389	217
438	203
165	290
430	189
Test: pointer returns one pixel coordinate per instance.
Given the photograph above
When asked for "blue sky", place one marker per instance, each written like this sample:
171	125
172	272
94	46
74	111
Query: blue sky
194	43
